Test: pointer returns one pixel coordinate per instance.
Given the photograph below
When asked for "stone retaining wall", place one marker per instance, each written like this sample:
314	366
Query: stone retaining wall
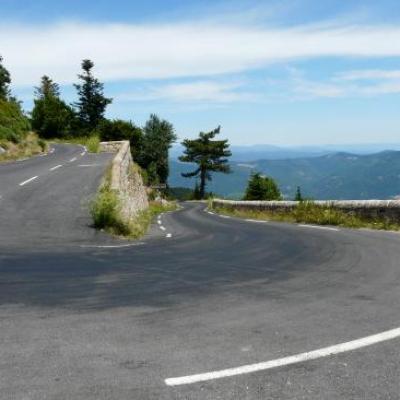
126	179
369	209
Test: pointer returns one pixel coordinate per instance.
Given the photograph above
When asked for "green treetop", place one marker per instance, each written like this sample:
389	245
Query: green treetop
91	105
209	155
262	188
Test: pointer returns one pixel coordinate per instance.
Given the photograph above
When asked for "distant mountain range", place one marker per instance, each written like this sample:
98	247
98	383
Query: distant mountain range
270	152
337	175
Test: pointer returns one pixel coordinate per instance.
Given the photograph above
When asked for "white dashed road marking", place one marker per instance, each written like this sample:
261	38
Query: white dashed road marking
225	216
27	181
256	220
162	228
312	355
72	159
168	235
327	228
56	167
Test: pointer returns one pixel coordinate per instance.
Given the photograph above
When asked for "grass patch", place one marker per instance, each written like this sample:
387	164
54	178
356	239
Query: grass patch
29	146
309	213
92	143
106	213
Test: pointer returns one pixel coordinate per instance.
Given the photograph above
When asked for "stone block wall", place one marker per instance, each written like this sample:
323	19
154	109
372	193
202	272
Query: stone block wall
126	179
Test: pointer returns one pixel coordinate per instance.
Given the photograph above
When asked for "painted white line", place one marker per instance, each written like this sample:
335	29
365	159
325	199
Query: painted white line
210	212
56	167
168	235
256	220
27	181
88	165
72	159
111	246
159	222
162	228
83	153
312	355
225	216
327	228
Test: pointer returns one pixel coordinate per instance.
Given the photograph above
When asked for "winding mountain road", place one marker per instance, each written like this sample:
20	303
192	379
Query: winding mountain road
207	308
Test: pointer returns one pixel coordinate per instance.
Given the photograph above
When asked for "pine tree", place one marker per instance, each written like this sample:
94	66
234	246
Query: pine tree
210	156
196	192
158	136
262	188
5	81
299	196
51	117
92	103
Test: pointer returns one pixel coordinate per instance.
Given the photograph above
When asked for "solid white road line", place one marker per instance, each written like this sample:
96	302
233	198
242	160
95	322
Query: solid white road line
72	159
118	246
210	212
225	216
312	355
327	228
27	181
256	220
57	166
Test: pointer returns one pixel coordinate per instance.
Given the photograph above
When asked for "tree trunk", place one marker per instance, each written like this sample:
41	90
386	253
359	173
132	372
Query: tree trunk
202	183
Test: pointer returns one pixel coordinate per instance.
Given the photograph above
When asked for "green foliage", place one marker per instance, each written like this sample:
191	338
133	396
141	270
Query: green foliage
51	117
180	193
14	126
5	81
262	188
299	196
92	103
158	136
105	211
122	130
209	155
307	212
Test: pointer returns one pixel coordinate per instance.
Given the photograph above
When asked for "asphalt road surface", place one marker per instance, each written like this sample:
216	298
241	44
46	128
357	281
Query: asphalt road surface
86	316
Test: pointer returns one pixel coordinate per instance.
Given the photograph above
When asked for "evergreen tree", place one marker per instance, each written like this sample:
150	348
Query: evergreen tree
210	156
119	129
5	81
92	103
262	188
158	136
196	192
51	117
299	196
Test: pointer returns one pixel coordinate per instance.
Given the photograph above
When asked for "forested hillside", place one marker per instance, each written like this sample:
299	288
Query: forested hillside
333	176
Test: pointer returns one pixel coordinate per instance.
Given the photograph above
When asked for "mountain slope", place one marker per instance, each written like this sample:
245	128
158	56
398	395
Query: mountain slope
333	176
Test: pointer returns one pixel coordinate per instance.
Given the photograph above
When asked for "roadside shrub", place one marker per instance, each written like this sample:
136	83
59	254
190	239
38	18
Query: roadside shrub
14	126
92	144
105	212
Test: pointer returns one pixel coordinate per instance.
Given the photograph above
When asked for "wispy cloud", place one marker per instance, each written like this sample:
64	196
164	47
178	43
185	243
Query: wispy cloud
359	83
178	50
369	74
196	91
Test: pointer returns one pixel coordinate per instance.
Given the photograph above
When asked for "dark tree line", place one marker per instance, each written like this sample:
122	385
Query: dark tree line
54	118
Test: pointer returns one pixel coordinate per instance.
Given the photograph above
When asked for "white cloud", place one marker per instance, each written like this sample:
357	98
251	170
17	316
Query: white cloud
196	91
360	83
177	50
369	74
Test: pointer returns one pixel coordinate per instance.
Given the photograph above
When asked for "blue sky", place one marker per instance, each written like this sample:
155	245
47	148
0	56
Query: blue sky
287	72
